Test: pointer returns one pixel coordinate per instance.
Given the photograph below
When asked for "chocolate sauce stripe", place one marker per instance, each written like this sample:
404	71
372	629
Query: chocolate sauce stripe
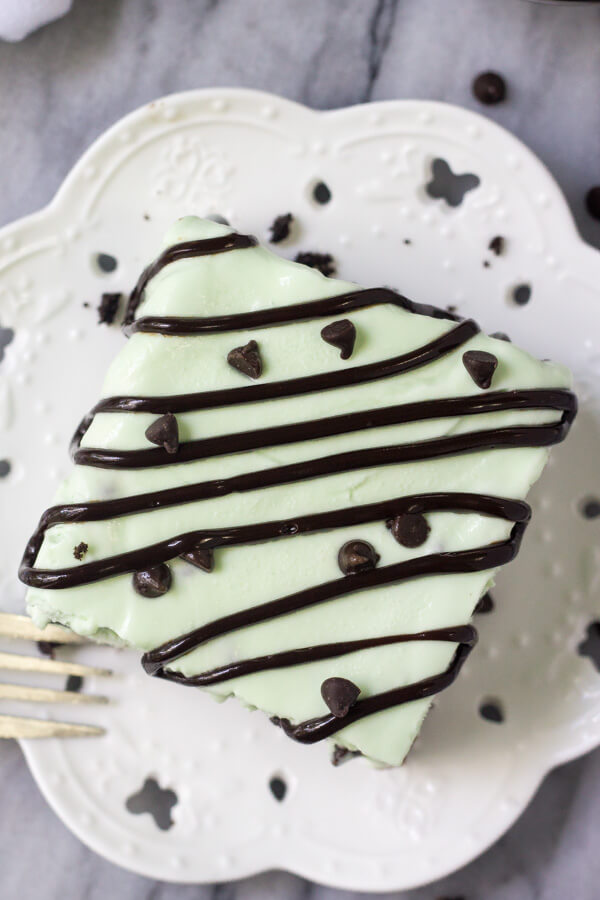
459	634
181	326
136	560
386	368
446	563
314	730
499	401
185	250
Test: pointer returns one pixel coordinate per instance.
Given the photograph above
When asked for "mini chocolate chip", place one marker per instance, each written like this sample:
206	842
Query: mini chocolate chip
107	308
340	695
246	360
164	432
496	245
342	754
407	241
340	334
278	787
80	550
521	294
489	88
485	604
486	264
481	366
590	645
591	508
409	529
201	556
280	229
74	683
492	711
501	336
321	193
592	202
357	556
324	262
153	582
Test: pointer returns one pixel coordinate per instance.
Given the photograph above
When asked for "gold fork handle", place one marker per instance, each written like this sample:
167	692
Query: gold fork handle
21	727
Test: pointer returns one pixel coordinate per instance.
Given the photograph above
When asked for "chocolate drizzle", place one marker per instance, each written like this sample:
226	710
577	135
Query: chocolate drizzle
198	547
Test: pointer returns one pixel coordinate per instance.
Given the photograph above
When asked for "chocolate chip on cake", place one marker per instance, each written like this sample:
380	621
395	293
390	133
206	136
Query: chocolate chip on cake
340	695
481	366
324	262
164	432
340	334
153	582
80	550
485	603
489	88
246	360
497	245
280	229
357	556
107	308
409	529
201	556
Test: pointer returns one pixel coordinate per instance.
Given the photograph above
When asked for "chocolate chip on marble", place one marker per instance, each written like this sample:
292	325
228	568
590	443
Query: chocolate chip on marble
357	556
164	432
592	202
340	695
201	556
409	529
497	244
340	334
246	360
153	582
107	308
501	336
80	550
280	229
324	262
481	366
489	88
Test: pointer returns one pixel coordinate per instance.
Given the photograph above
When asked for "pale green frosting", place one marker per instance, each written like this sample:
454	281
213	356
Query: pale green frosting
148	364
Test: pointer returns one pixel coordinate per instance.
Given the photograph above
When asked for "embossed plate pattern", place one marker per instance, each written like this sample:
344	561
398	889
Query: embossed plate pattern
249	157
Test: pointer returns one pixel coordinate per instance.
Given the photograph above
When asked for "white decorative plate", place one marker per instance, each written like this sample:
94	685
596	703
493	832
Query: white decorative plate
250	156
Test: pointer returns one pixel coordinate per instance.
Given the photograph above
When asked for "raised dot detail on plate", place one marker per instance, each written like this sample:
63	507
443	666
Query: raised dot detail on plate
474	131
218	104
425	117
268	111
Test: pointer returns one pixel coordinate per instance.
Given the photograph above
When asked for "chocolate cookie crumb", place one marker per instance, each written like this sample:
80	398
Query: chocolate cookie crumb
342	754
489	88
280	229
497	245
107	308
324	262
47	648
80	550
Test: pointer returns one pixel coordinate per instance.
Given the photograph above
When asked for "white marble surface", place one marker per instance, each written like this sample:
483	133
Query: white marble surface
65	84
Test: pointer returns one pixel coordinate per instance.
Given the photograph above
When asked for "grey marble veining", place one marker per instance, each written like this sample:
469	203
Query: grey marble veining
65	84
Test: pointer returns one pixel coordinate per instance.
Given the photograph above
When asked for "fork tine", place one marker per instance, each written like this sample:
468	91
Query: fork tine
17	662
20	727
12	626
45	695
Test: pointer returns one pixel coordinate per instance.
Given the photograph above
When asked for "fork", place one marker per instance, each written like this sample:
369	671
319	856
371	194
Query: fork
22	628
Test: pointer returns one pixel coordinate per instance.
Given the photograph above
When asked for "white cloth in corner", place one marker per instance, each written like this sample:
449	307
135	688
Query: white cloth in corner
18	18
